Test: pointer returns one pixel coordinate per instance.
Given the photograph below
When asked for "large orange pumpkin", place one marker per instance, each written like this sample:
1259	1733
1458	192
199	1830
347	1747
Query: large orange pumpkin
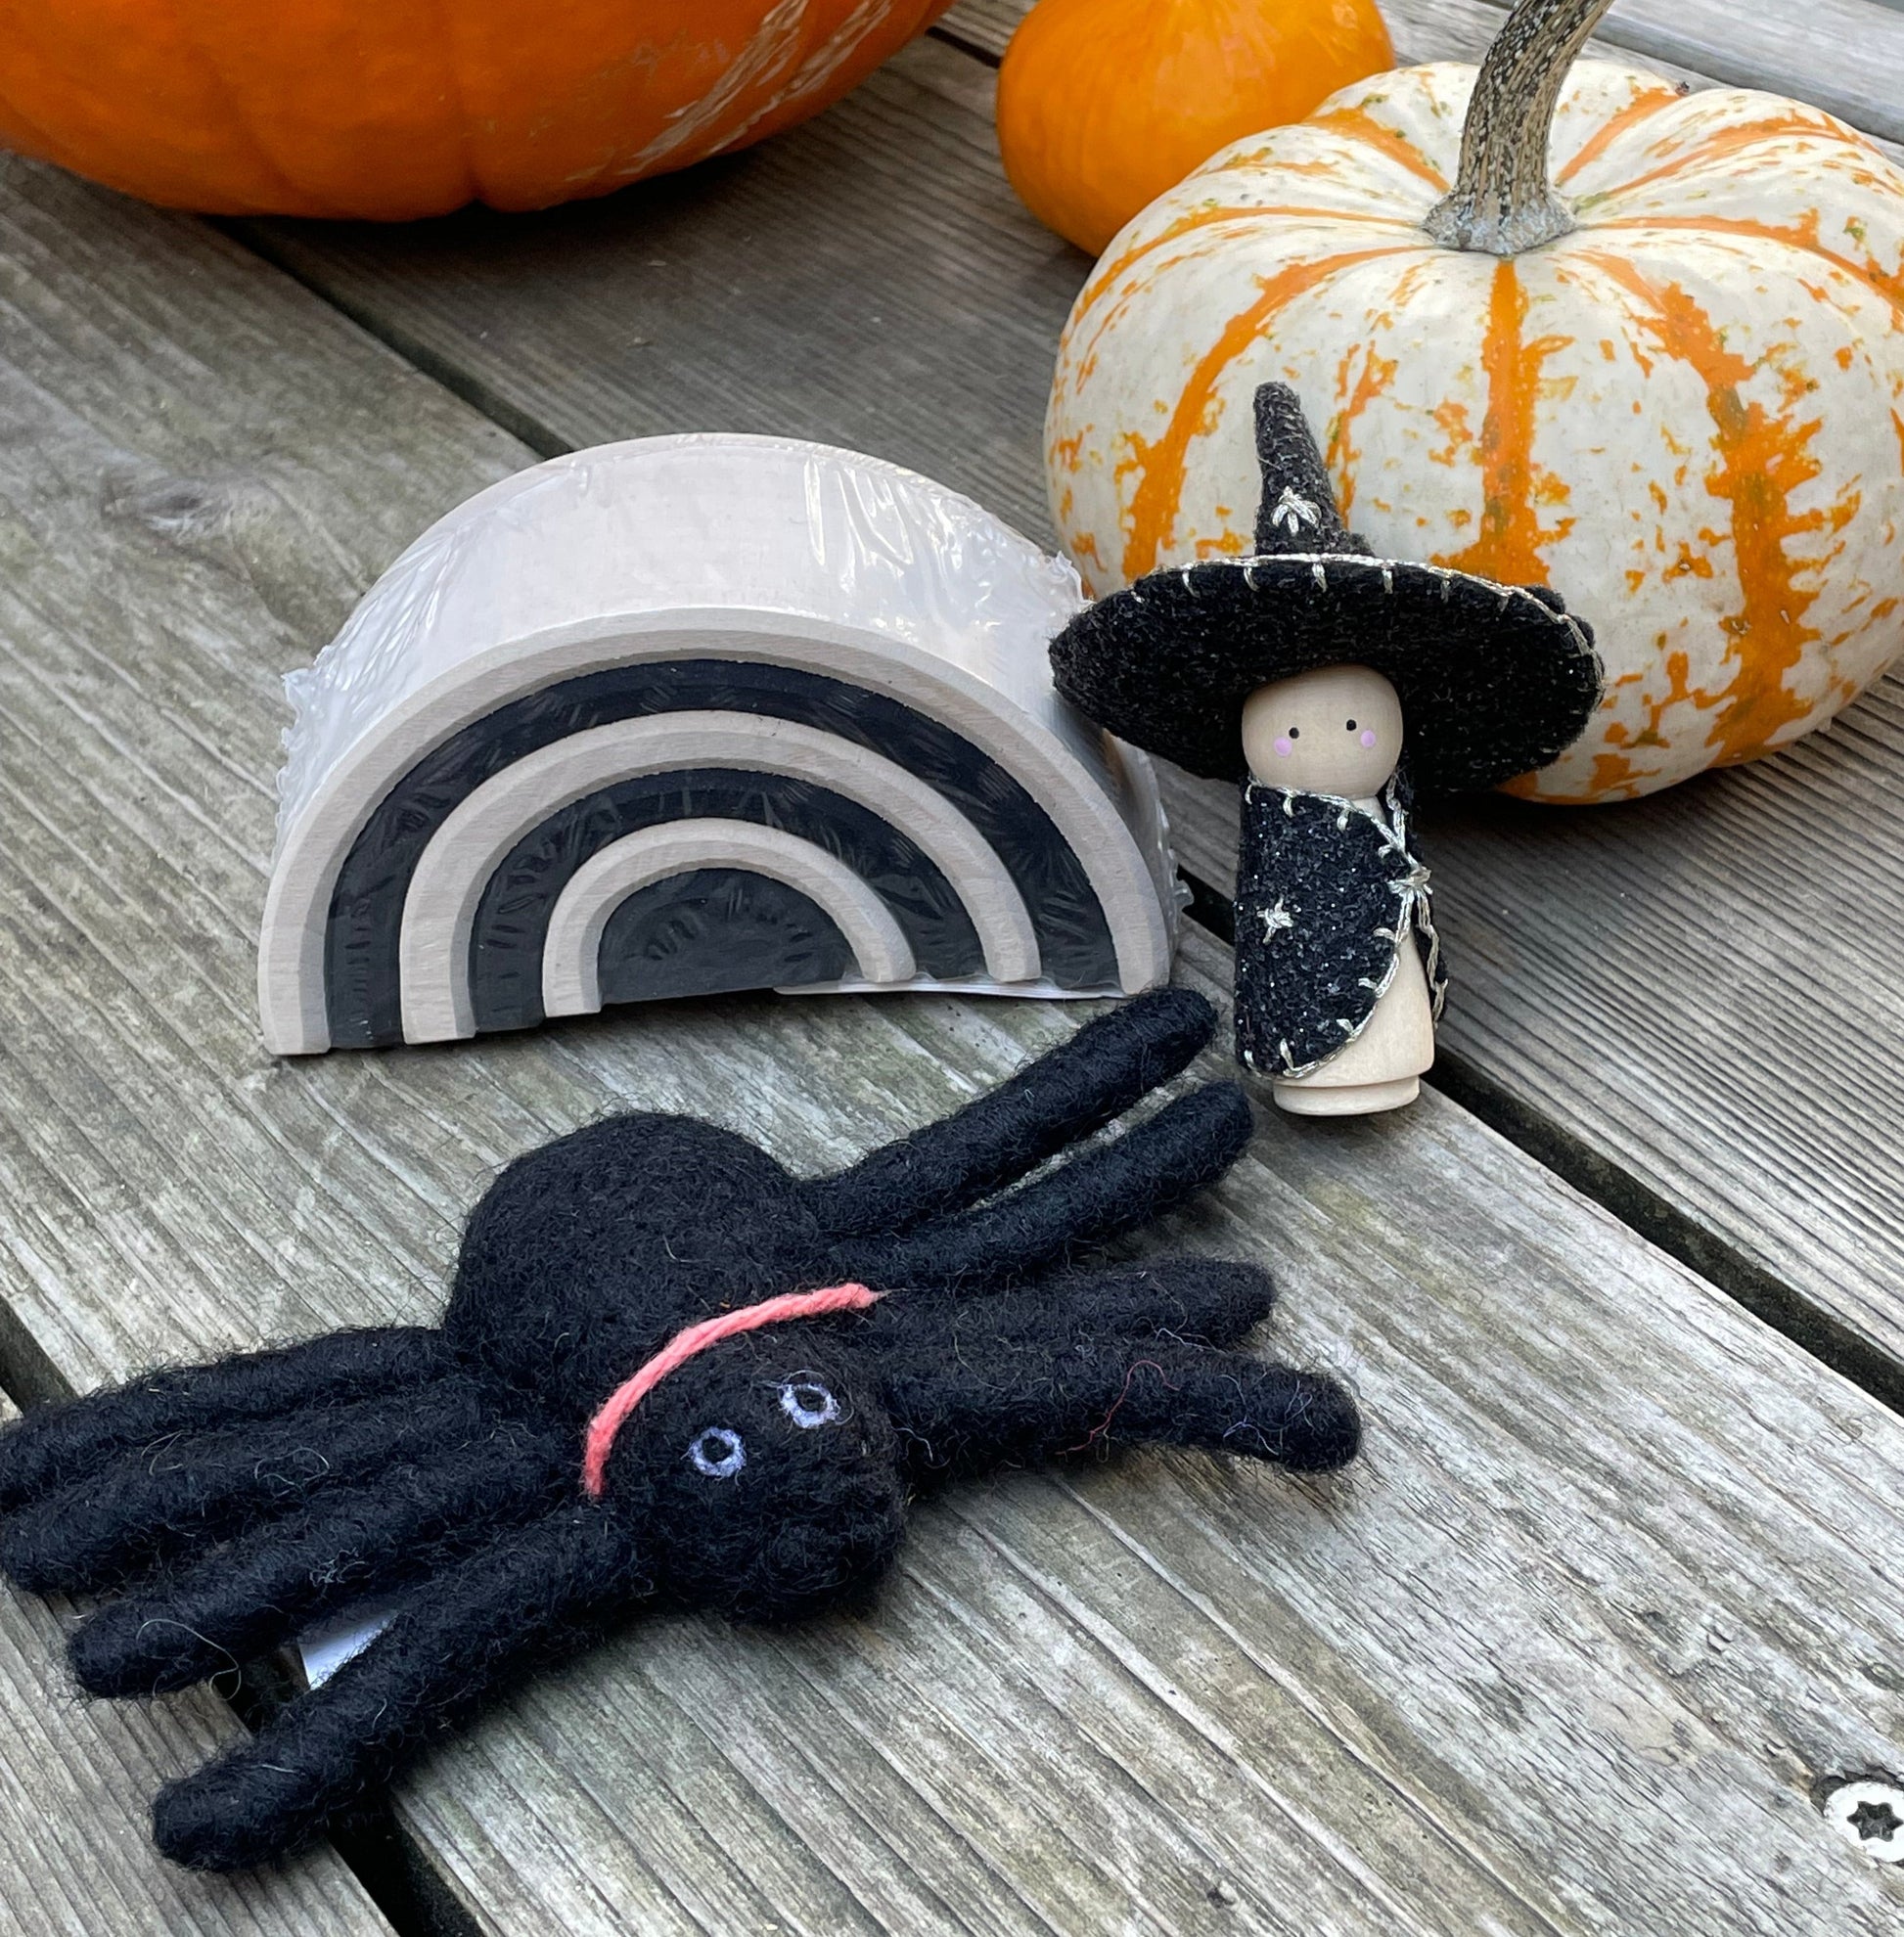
1668	381
391	109
1104	104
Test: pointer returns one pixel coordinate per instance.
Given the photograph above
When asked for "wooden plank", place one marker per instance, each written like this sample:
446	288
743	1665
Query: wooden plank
1844	55
75	1783
836	315
900	299
1609	1592
896	298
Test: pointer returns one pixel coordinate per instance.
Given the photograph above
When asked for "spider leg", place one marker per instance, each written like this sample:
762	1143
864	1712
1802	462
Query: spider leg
346	1547
532	1597
1192	1300
54	1445
145	1506
1150	1170
1185	1301
1009	1402
1068	1093
1230	1402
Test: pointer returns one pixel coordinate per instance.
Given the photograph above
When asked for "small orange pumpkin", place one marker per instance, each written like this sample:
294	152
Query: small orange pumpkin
1658	365
391	109
1104	104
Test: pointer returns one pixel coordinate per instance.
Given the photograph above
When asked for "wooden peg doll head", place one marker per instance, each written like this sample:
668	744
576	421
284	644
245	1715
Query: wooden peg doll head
1336	730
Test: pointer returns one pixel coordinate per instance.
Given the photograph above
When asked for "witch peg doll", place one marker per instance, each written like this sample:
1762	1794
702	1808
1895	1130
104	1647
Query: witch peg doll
1334	684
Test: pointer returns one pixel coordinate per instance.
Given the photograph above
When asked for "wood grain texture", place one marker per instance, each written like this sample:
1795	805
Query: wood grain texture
76	1780
869	277
1847	56
1412	1701
1612	1589
843	283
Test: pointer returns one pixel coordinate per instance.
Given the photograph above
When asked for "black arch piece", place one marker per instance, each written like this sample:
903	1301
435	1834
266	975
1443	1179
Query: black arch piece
362	995
512	920
715	931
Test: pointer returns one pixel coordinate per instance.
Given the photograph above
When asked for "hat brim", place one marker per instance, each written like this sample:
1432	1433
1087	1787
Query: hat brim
1494	680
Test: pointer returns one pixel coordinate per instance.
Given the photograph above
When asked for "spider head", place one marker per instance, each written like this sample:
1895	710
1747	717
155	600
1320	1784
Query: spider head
585	1254
767	1477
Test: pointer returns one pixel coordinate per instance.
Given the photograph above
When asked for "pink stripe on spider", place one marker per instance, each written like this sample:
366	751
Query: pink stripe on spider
614	1411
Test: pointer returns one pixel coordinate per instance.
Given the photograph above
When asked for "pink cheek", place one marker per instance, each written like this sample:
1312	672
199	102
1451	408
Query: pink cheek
1368	737
1285	747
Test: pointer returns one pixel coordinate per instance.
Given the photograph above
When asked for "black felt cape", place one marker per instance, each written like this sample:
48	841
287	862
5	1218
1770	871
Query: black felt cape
1326	894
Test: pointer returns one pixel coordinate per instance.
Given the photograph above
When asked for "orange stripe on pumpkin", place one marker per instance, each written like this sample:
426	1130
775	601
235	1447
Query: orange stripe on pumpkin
1161	465
1762	461
1363	126
1613	771
1510	538
1377	373
1204	218
1642	108
1724	143
1803	237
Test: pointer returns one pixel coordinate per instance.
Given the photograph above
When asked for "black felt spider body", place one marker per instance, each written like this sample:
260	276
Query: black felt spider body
764	1473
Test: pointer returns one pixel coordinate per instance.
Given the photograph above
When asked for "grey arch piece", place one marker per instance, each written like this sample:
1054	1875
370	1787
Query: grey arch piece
446	888
571	951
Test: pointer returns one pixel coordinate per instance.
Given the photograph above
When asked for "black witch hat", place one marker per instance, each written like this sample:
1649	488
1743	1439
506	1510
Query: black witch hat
1494	680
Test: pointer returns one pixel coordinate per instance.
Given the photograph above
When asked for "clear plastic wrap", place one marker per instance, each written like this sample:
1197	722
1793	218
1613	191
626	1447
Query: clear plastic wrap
528	681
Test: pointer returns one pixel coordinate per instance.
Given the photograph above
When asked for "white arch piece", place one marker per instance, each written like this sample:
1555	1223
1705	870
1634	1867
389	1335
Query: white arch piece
571	951
757	550
446	888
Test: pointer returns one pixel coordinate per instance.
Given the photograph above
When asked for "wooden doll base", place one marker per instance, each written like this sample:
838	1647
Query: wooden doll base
1347	1099
1381	1069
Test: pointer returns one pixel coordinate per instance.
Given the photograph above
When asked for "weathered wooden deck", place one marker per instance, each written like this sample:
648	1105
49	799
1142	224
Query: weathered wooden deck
1621	1582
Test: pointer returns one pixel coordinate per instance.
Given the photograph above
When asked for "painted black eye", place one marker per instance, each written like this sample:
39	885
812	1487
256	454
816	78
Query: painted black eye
717	1452
1296	733
1351	726
808	1404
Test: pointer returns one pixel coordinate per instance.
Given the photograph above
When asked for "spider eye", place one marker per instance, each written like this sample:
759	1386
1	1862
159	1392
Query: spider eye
717	1452
808	1404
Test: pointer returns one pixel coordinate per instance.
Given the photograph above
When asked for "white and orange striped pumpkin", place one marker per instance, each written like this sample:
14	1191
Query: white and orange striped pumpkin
1683	406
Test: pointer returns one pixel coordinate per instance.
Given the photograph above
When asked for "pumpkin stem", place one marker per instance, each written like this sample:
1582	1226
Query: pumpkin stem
1502	202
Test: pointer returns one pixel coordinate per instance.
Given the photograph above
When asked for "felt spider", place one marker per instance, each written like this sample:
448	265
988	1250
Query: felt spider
670	1373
